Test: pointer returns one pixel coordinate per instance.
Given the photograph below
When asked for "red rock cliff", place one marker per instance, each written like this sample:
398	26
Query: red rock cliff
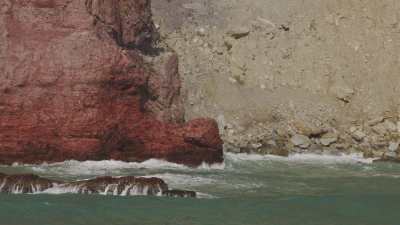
74	84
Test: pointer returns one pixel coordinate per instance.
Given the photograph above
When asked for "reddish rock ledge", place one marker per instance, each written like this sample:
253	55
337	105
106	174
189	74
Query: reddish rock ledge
80	80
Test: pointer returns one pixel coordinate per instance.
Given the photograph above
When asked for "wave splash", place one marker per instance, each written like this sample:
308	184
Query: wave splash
73	167
92	168
233	162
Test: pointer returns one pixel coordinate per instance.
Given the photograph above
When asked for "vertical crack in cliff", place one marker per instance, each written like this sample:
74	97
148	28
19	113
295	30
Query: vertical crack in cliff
117	19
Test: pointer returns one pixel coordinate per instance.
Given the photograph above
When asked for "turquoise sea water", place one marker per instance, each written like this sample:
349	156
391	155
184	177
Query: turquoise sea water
246	190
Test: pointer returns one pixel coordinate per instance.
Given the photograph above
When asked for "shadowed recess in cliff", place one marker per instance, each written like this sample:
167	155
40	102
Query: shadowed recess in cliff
129	23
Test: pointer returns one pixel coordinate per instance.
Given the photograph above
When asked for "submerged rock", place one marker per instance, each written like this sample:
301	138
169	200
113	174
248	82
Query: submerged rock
74	84
116	186
180	193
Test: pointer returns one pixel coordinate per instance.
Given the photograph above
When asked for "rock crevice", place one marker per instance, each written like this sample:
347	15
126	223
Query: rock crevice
129	22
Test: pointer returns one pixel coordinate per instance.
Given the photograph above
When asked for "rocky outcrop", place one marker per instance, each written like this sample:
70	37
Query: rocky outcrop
116	186
24	183
82	80
121	186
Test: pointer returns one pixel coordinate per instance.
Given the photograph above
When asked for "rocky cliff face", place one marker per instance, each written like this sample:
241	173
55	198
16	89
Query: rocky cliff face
81	80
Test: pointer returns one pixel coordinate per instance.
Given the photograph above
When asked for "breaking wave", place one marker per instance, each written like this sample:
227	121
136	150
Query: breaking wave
233	161
99	167
240	174
91	168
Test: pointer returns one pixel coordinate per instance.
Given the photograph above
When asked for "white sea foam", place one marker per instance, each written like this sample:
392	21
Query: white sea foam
204	195
113	167
301	158
98	168
335	159
216	166
73	167
113	189
129	190
396	176
58	189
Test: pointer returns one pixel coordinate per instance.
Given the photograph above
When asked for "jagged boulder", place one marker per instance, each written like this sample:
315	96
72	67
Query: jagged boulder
180	194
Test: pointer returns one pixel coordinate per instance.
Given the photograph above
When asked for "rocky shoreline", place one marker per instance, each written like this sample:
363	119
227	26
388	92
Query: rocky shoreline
376	138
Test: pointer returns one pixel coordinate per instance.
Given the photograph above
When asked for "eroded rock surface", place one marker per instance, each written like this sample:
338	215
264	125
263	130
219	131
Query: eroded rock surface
75	84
